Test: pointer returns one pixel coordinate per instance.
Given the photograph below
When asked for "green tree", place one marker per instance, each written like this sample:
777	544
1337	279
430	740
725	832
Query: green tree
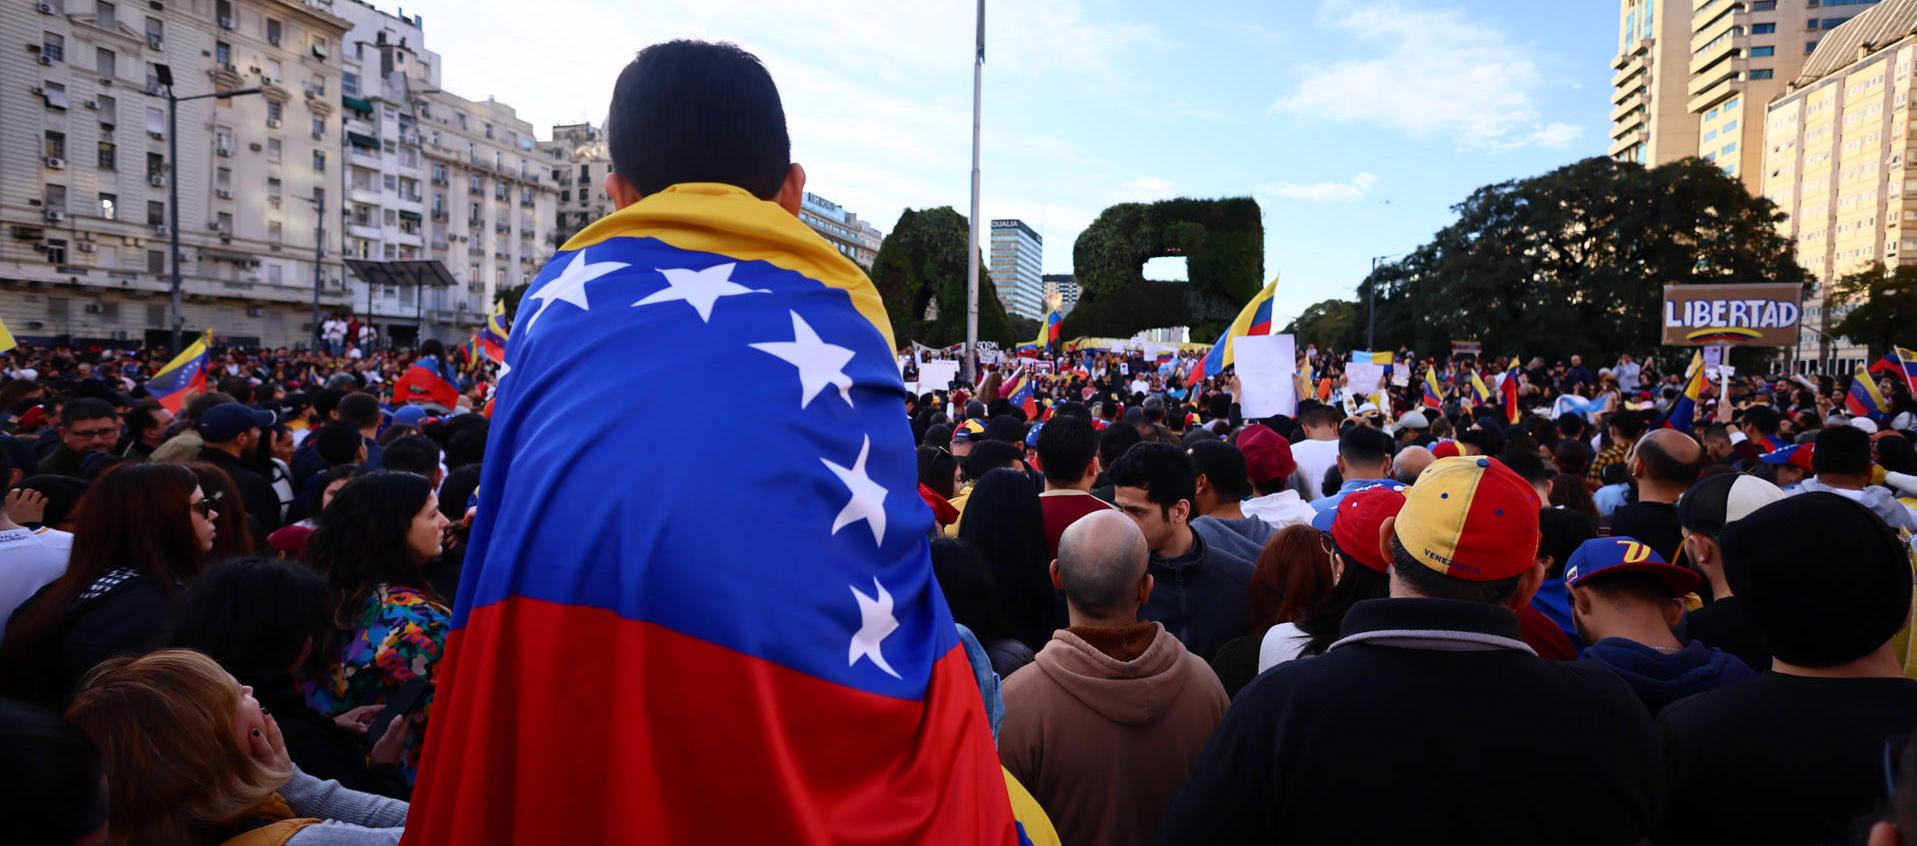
1882	306
1575	260
922	263
1222	242
1327	323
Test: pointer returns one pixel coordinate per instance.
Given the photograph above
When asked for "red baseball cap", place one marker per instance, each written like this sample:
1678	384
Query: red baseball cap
1356	523
1267	454
1446	448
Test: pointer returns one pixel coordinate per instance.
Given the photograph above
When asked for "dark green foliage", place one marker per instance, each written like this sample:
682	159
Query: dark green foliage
1883	306
1329	324
922	260
512	296
1576	260
1222	241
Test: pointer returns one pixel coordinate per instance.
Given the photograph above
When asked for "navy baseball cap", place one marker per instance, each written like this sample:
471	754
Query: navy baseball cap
1599	557
229	420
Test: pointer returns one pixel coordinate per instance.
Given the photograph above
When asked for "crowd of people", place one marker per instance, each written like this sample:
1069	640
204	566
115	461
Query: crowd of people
1627	615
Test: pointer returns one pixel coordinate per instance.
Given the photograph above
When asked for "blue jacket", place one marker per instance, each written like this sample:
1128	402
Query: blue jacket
1553	600
1351	486
1660	678
1200	596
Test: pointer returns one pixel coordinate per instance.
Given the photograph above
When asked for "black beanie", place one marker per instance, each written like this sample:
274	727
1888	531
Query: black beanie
1826	580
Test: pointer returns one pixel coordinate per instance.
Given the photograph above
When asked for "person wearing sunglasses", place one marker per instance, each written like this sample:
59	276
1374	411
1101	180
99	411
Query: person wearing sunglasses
143	533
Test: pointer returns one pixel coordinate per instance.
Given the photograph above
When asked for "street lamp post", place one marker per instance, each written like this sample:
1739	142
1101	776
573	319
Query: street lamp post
319	255
164	75
1371	306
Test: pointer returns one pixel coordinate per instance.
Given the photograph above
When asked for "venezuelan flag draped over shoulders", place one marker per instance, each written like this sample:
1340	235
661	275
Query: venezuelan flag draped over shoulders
183	377
1253	319
669	638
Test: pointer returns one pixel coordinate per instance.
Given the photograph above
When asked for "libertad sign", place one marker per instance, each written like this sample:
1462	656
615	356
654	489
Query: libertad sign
1739	315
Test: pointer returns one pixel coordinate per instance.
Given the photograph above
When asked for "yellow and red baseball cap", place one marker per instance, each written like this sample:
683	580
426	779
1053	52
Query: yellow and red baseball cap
1471	518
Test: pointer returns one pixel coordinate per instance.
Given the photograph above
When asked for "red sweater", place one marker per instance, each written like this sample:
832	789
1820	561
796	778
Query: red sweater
1063	508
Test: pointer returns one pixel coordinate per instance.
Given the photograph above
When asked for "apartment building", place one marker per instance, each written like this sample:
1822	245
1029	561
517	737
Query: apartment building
1017	262
85	175
1693	76
857	239
430	175
1060	288
579	160
1839	148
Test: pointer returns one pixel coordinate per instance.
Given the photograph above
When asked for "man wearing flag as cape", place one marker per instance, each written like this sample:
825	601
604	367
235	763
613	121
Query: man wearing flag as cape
642	651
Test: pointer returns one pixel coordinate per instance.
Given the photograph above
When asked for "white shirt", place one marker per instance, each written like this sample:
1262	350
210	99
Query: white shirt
1279	510
29	560
1315	458
1283	642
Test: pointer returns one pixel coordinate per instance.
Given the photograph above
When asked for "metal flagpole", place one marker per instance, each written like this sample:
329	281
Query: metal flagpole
971	245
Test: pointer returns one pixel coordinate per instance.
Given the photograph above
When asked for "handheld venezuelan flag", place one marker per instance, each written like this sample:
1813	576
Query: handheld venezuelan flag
1253	319
1897	362
629	661
492	336
426	381
1508	386
1478	387
183	377
1683	412
1864	399
1433	392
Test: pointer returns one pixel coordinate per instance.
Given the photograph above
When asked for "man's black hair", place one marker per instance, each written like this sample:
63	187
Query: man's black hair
1431	583
1528	465
1163	470
1630	424
1364	446
62	492
326	401
338	443
1071	408
1562	531
1114	441
1223	465
1763	418
361	410
141	418
1488	442
415	454
1318	415
1714	430
1066	447
86	408
694	111
987	456
459	486
1844	450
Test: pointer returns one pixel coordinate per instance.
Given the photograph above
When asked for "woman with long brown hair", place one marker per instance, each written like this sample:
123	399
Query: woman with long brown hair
143	532
232	538
1293	578
191	758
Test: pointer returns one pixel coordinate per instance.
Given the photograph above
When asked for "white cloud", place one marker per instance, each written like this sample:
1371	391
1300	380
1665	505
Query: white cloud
1428	72
1324	192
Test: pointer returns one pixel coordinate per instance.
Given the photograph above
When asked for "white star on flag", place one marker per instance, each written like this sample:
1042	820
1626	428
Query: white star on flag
504	369
820	364
698	288
570	284
868	499
875	624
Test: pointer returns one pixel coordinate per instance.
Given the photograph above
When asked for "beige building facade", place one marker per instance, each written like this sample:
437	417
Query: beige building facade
1839	147
84	173
579	161
1693	76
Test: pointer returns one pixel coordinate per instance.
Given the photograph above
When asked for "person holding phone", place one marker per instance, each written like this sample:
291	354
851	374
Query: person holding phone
374	543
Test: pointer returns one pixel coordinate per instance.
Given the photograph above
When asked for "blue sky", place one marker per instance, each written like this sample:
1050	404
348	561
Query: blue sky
1355	123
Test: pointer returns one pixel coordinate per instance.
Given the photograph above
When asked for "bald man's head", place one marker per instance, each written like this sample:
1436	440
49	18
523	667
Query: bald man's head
1410	463
1101	562
1667	457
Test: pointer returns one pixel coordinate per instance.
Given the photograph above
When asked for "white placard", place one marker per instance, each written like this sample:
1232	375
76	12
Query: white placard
937	375
1363	378
1401	375
1266	365
912	388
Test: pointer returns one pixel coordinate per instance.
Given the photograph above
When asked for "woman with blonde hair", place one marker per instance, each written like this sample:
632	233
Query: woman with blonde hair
191	759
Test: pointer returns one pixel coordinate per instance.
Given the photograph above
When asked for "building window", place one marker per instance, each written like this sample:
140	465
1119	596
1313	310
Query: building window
155	122
1729	149
155	32
273	189
109	153
224	220
1810	46
223	54
585	174
275	232
54	95
319	161
155	166
53	46
56	198
109	112
56	144
104	61
1764	5
349	83
273	32
56	254
223	180
155	261
274	109
1761	73
475	184
1763	52
319	125
105	15
273	149
1763	28
223	11
223	140
109	206
155	213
